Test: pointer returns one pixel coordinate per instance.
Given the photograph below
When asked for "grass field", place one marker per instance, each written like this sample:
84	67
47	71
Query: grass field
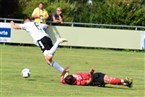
44	80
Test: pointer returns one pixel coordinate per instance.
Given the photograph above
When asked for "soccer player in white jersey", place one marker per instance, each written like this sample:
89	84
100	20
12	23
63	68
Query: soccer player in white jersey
41	39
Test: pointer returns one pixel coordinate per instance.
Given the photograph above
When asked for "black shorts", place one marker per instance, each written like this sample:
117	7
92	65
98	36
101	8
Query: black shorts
98	79
45	43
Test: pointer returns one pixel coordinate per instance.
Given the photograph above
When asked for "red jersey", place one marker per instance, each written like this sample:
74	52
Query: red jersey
81	78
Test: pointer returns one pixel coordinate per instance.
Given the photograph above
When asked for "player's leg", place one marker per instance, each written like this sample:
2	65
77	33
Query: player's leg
48	50
55	46
117	81
49	55
98	79
52	63
129	82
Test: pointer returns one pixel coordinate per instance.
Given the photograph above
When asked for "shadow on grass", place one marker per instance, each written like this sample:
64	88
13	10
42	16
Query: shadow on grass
108	87
30	79
121	87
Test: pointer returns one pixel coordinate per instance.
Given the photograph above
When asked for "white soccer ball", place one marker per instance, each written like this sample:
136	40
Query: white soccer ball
26	73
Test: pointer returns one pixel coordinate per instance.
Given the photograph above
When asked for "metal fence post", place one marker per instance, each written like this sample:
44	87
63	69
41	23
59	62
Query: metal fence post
5	20
136	28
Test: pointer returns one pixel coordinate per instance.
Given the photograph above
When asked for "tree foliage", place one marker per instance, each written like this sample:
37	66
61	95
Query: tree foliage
123	12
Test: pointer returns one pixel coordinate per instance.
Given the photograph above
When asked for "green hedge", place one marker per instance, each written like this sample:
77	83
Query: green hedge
101	11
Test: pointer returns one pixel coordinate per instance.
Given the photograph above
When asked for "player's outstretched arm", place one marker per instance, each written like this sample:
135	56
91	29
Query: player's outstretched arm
90	79
66	70
15	26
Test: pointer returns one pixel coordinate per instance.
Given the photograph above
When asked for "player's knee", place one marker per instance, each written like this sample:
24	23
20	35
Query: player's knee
107	79
48	62
47	53
48	59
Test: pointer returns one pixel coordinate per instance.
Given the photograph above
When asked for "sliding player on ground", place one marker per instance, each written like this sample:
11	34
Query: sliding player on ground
92	78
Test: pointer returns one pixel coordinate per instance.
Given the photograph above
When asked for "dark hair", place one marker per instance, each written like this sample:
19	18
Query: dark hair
29	18
70	79
41	3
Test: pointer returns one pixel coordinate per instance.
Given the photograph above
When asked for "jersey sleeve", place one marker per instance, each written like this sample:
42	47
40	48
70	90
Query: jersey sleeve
22	26
85	77
44	26
83	83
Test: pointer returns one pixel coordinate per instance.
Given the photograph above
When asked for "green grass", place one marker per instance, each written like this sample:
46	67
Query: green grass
44	80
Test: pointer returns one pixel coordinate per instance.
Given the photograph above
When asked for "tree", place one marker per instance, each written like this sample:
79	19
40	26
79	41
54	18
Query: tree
123	12
8	8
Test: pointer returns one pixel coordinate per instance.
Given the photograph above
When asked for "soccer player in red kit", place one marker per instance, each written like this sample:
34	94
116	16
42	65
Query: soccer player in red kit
77	79
93	79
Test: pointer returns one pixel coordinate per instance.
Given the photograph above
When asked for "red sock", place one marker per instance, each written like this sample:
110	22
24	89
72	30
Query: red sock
115	81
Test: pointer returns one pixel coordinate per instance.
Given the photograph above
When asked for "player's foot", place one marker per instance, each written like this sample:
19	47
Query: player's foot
129	82
61	40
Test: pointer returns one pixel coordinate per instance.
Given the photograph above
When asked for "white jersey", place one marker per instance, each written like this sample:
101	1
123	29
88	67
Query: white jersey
36	30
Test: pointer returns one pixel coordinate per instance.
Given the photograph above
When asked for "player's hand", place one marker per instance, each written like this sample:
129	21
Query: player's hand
92	70
12	23
66	69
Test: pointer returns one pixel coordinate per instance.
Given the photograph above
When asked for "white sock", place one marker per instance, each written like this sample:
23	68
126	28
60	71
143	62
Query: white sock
53	49
57	66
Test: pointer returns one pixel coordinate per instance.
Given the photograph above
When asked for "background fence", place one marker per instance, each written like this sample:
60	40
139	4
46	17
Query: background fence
88	35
